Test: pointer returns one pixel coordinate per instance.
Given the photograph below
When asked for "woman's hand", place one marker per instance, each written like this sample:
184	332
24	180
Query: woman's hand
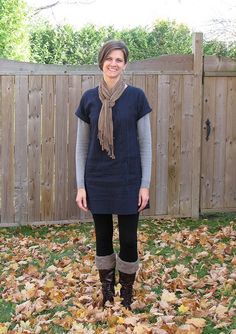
81	199
143	198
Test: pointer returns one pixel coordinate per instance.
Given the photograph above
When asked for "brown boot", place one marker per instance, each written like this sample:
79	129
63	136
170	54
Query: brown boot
126	291
127	273
107	278
106	268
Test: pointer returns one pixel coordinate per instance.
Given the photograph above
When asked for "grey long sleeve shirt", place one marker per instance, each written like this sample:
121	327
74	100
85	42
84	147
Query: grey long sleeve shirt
144	138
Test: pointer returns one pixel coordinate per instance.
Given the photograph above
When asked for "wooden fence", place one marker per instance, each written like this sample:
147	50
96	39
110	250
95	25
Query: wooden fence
194	143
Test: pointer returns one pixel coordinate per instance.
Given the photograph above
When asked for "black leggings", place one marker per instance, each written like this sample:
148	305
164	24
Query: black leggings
128	226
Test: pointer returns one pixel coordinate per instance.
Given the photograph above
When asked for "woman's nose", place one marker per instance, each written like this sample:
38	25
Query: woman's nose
113	62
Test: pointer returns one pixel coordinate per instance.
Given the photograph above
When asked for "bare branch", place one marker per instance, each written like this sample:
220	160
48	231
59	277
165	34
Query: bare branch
39	9
222	29
59	2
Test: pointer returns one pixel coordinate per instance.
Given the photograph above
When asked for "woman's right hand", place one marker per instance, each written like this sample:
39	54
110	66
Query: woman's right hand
81	199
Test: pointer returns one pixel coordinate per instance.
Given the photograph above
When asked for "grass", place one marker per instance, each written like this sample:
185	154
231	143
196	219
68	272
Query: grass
49	284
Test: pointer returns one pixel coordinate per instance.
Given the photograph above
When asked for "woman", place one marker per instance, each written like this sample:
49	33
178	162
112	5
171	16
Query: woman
113	167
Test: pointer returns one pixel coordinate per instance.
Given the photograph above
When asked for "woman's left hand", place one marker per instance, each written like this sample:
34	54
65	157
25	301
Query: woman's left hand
143	198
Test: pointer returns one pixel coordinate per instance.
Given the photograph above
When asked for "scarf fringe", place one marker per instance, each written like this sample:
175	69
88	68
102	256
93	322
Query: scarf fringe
106	146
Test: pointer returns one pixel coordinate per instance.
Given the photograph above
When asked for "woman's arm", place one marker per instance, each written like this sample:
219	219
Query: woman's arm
82	143
145	144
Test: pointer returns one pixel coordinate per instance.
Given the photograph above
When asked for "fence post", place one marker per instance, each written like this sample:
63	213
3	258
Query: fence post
197	48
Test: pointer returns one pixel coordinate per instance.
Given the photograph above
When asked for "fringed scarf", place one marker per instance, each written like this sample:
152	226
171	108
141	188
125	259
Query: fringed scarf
105	123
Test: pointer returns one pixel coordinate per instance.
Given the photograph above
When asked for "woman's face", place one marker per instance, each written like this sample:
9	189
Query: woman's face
113	65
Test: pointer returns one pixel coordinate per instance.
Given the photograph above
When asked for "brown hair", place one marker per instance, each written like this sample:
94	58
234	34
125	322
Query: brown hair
110	46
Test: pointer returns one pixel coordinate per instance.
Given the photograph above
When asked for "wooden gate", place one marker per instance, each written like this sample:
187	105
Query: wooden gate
218	167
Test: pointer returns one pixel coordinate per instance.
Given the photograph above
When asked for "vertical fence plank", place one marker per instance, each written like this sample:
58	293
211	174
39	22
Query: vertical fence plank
207	152
21	177
219	144
7	150
152	95
34	148
163	111
97	79
174	144
139	80
129	79
185	196
74	98
197	119
230	158
61	156
47	175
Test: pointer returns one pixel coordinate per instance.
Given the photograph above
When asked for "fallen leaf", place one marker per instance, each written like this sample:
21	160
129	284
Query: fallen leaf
131	321
140	329
4	328
188	329
168	297
112	320
197	322
221	311
183	309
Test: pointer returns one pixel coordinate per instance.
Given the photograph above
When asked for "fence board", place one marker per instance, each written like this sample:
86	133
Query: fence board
152	95
230	160
219	143
197	120
207	159
74	98
34	148
186	148
139	81
21	129
7	158
47	177
174	144
61	156
97	79
161	154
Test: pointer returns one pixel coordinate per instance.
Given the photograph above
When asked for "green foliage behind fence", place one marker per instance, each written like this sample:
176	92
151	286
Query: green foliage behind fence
64	45
14	41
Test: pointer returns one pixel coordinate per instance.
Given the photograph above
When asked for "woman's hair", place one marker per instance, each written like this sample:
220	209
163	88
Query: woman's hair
108	47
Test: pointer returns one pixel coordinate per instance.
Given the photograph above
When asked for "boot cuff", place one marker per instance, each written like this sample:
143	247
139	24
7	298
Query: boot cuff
127	267
105	262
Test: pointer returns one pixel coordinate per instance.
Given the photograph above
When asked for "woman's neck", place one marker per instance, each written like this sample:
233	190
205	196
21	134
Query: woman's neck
111	82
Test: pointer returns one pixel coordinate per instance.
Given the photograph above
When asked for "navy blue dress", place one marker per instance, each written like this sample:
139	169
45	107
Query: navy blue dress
112	185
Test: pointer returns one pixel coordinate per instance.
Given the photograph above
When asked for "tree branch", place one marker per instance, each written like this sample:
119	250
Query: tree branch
69	2
39	9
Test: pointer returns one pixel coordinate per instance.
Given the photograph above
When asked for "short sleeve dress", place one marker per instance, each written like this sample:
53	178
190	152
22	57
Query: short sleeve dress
112	185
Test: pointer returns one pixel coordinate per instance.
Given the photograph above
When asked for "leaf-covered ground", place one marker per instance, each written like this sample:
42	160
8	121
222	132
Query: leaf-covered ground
186	282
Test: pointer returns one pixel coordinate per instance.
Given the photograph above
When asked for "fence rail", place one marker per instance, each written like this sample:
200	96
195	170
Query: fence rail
189	173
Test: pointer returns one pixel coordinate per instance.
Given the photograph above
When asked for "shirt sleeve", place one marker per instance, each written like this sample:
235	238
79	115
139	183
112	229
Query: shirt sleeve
143	105
82	111
82	143
145	144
